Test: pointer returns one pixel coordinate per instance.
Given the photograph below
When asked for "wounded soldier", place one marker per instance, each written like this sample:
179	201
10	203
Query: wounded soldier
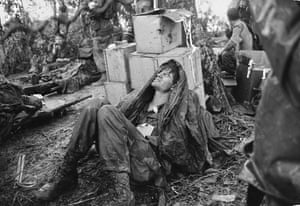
150	134
15	107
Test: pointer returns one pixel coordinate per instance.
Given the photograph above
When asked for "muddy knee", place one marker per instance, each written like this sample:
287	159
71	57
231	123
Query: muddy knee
107	112
94	105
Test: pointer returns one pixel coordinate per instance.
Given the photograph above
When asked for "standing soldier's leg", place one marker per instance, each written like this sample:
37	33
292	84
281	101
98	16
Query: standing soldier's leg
99	44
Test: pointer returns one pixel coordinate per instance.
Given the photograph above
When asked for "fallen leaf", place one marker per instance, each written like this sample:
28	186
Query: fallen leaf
211	179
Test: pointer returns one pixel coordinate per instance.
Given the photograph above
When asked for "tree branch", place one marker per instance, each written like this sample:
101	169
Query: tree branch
15	27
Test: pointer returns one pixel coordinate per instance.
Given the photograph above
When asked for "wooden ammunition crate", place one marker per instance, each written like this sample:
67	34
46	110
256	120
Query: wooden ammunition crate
115	91
116	62
142	67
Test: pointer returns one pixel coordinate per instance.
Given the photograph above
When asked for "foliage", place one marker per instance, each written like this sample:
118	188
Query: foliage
17	52
20	46
208	25
11	5
204	25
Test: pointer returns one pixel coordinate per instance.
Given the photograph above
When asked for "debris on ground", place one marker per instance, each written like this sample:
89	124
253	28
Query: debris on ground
45	144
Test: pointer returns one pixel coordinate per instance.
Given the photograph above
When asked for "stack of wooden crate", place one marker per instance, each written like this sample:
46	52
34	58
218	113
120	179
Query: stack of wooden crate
160	36
117	70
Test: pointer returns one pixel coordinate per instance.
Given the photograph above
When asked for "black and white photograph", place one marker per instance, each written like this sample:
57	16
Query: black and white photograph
149	103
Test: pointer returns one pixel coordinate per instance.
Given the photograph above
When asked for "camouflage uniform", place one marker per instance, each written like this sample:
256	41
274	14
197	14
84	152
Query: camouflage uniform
274	166
12	102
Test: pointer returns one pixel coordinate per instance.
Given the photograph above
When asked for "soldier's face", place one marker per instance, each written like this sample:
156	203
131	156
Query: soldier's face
163	80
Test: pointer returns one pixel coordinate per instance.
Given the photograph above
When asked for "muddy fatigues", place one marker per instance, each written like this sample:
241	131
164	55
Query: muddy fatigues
12	102
275	165
100	29
182	133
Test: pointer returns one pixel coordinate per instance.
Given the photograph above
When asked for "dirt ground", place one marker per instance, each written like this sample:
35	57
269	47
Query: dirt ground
44	143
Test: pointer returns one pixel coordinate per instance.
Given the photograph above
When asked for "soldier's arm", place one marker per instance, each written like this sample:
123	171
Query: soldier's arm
235	38
278	25
99	10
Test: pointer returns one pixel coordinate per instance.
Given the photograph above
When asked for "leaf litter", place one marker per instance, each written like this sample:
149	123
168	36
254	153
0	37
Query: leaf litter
44	146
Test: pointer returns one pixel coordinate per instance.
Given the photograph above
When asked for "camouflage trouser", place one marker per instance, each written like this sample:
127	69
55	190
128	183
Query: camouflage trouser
99	44
227	62
120	144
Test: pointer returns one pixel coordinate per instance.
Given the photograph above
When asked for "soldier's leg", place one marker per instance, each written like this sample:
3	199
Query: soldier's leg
99	44
125	151
86	130
83	136
84	133
120	141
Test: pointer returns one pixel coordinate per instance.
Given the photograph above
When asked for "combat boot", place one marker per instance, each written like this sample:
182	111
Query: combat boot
64	180
124	196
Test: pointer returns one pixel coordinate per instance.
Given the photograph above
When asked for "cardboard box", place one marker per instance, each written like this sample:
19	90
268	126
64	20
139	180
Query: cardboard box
116	62
142	67
160	31
115	91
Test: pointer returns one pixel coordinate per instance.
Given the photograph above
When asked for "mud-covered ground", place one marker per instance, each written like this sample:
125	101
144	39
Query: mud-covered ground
44	143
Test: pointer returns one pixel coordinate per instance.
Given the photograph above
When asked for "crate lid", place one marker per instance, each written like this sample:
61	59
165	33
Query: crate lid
175	15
